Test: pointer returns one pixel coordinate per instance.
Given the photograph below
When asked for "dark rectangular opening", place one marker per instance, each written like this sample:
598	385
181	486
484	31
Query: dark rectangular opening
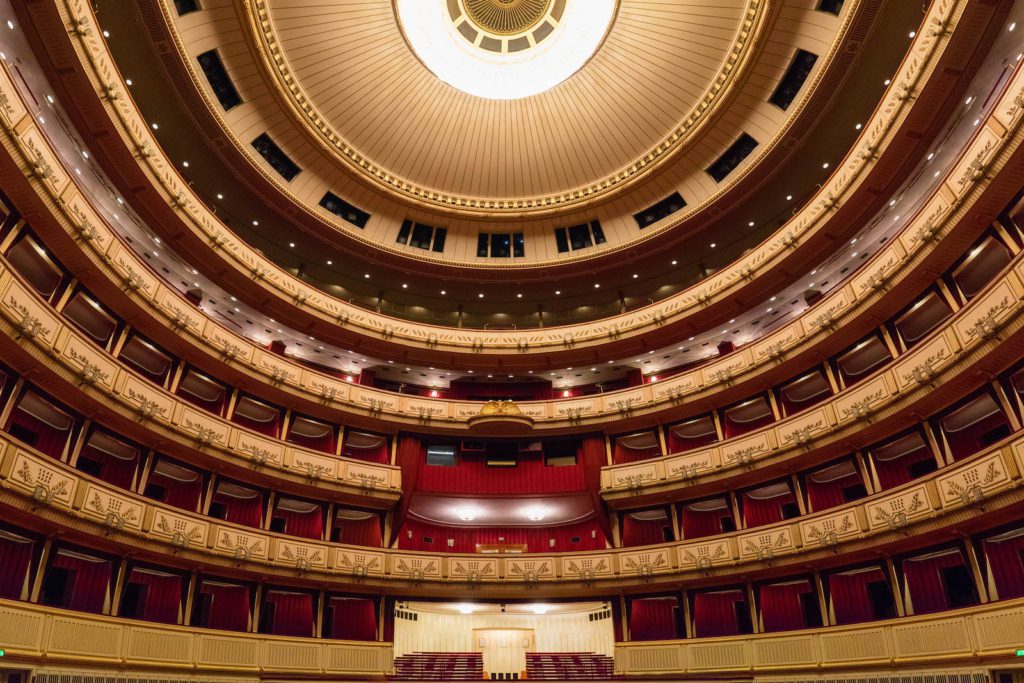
854	492
440	235
790	510
133	598
518	245
880	597
422	235
220	82
732	157
958	586
656	212
483	243
276	157
743	620
811	610
922	467
798	71
579	237
501	245
831	6
342	209
595	227
185	6
403	232
561	240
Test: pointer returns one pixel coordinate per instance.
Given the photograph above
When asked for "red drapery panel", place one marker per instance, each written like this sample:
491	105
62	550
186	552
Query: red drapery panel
324	444
302	524
178	486
893	473
88	581
781	606
652	619
829	494
408	455
970	440
38	434
239	510
537	540
293	613
698	523
851	601
225	606
1005	555
353	619
644	531
924	580
472	475
365	532
714	614
360	446
591	458
622	454
761	511
15	560
162	599
115	471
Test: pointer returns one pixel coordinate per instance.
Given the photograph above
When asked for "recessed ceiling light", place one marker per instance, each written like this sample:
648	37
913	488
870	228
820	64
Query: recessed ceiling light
557	292
405	286
255	222
366	276
858	126
751	223
519	296
713	245
330	262
675	262
443	292
220	196
636	275
597	285
536	514
155	126
789	197
291	244
825	165
480	295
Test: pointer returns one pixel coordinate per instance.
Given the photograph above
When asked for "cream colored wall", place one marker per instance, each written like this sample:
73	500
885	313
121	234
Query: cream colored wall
453	632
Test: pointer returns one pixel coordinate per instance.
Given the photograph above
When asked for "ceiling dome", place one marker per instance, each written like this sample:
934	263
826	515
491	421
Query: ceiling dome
504	49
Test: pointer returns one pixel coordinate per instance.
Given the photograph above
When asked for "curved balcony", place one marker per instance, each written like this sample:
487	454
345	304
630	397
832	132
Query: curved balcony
309	309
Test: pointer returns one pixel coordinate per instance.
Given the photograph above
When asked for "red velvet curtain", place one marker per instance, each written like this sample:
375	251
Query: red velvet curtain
781	606
591	457
88	582
115	471
183	495
678	445
15	560
293	613
270	427
45	439
714	614
924	582
244	511
324	444
896	472
759	512
365	532
829	494
652	619
968	441
380	454
622	454
1005	557
162	599
302	524
227	606
643	531
698	523
851	601
353	619
409	454
473	476
537	540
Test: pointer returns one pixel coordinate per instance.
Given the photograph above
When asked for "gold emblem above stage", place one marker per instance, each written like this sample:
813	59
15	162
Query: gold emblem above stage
501	417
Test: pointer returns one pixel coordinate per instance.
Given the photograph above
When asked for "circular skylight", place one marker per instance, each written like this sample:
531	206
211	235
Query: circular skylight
459	41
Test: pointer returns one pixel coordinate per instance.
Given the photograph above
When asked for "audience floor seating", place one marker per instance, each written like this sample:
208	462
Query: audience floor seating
439	666
569	666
